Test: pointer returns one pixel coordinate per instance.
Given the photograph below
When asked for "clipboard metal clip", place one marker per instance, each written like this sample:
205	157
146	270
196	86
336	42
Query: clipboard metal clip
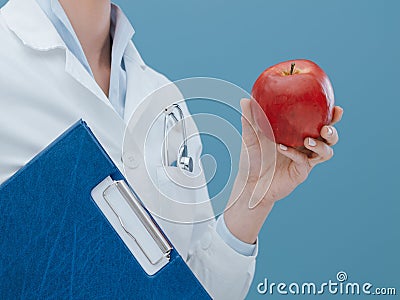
151	227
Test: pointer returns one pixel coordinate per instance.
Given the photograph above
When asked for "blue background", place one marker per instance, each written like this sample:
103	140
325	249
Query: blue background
346	215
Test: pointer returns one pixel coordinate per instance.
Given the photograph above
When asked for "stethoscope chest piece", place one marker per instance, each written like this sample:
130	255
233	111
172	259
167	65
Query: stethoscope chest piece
185	161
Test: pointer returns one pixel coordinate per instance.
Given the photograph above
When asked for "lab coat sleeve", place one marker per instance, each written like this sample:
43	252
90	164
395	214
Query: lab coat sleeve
225	273
232	241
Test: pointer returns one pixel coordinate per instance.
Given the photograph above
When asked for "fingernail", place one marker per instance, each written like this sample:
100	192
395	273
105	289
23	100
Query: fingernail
312	142
330	130
283	147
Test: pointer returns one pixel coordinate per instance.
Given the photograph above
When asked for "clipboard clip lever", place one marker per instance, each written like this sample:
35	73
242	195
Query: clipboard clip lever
151	227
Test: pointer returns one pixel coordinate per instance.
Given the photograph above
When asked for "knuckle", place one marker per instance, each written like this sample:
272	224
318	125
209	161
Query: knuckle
332	135
300	159
330	153
335	133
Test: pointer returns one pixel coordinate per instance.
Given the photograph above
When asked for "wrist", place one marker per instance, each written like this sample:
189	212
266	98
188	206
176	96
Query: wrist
254	192
245	223
247	209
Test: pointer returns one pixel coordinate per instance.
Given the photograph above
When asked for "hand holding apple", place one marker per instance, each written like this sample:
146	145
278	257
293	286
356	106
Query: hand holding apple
251	199
254	194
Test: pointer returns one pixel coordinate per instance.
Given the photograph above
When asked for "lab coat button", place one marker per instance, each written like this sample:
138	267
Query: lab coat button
206	241
129	160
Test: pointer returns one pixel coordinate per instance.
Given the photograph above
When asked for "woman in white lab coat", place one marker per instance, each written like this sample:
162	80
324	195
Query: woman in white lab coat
46	85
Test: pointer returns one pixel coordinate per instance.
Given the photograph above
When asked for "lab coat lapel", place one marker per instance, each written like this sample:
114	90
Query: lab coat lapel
80	74
137	84
30	24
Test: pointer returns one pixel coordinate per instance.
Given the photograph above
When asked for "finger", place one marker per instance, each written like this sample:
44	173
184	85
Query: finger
337	115
293	154
322	150
300	165
246	110
330	135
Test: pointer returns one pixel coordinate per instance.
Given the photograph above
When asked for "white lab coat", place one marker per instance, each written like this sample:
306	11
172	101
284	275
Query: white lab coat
44	89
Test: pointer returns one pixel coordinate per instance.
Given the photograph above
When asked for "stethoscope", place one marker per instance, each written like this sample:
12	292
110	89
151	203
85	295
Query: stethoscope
184	161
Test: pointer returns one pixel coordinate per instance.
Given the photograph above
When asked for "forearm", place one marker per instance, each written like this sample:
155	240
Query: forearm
243	222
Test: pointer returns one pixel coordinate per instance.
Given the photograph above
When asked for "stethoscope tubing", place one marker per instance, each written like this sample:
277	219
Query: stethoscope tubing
183	160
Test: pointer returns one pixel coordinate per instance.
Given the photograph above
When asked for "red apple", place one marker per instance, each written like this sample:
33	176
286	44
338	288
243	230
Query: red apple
297	99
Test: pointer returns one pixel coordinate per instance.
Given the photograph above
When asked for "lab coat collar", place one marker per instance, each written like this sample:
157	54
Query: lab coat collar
28	21
133	53
31	25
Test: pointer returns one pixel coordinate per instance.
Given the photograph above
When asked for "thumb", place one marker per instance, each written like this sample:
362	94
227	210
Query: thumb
249	134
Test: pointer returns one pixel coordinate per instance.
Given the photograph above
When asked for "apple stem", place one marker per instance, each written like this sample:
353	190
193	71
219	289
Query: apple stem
292	68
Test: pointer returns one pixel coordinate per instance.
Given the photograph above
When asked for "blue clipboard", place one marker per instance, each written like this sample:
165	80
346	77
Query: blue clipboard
56	243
